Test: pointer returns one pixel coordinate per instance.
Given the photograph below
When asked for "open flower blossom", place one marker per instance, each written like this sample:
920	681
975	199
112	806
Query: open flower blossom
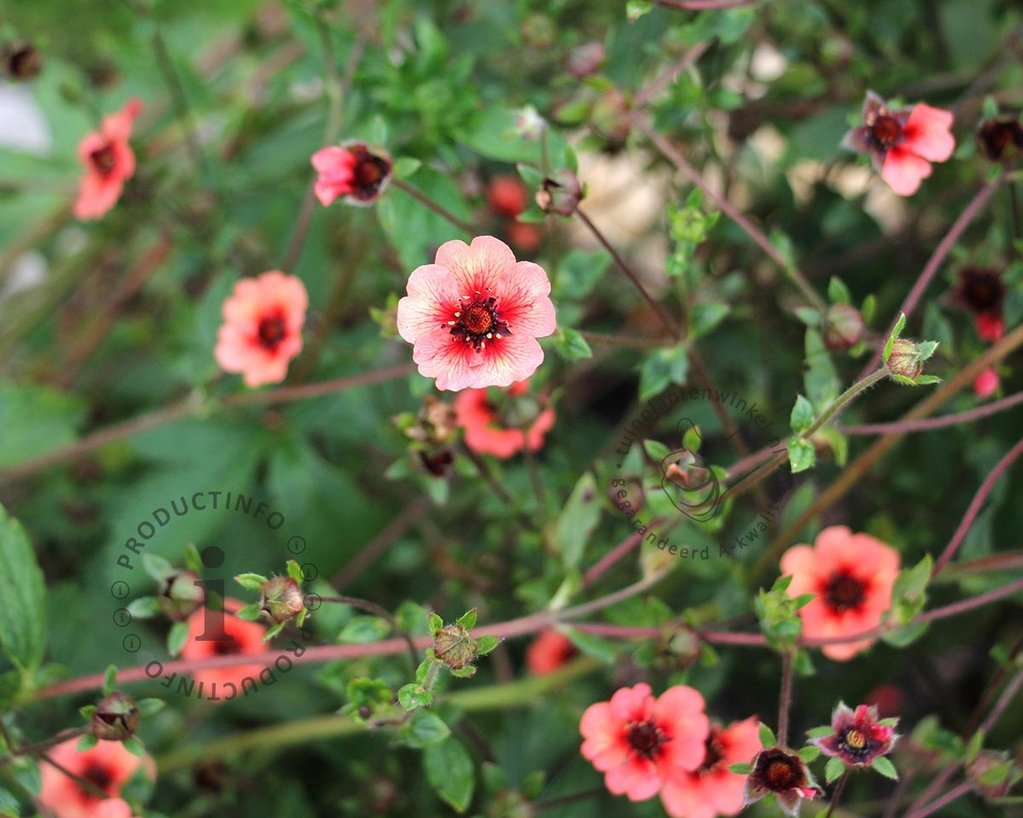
549	651
712	789
639	742
359	173
857	736
221	633
784	774
109	161
852	576
108	765
262	329
473	316
902	144
518	420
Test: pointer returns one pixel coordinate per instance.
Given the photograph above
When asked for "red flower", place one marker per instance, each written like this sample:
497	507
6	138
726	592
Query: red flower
639	742
857	737
549	651
107	765
353	170
903	143
109	162
852	576
507	195
206	638
473	316
990	327
986	383
711	789
519	420
781	772
262	329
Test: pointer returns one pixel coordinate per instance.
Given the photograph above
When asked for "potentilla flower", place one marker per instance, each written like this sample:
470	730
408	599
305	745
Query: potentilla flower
1001	138
357	172
902	144
852	576
109	161
108	766
982	291
711	789
549	651
503	425
473	316
782	772
206	639
986	383
262	329
639	742
858	737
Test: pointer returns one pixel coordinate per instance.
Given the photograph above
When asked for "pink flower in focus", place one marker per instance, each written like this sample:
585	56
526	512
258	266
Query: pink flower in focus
639	742
519	420
852	576
986	383
473	316
857	737
902	144
353	170
549	651
711	789
262	329
107	765
109	162
221	633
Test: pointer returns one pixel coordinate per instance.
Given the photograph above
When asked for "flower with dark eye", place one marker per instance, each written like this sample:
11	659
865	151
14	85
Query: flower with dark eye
858	736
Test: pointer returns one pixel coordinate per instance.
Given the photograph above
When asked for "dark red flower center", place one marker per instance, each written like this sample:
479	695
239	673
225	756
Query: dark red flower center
227	647
981	290
103	160
844	592
777	771
997	136
646	738
101	776
477	322
886	132
271	332
369	174
714	753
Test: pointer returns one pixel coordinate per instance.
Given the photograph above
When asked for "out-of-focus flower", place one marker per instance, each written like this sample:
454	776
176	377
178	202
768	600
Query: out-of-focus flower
986	383
586	59
221	633
474	315
355	171
262	329
109	161
115	718
549	651
782	773
639	742
508	197
108	766
529	125
990	327
887	698
560	193
992	774
843	326
857	736
852	576
711	789
902	144
21	61
1001	138
502	427
982	291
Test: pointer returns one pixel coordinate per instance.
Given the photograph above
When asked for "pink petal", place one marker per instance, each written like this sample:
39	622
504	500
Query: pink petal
632	703
118	126
927	134
636	780
431	301
476	266
903	171
686	798
96	196
511	359
335	160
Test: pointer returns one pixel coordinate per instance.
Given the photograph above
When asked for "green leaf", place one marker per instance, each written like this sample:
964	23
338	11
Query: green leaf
176	638
662	368
425	728
838	292
740	769
466	672
821	732
906	635
8	804
435	622
896	332
405	166
974	746
250	613
485	644
809	316
109	679
809	752
251	582
145	607
703	318
294	571
767	737
150	707
926	380
135	746
468	619
412	696
834	769
450	771
364	629
577	521
22	589
86	742
156	566
35	420
802	455
885	767
571	345
801	418
868	308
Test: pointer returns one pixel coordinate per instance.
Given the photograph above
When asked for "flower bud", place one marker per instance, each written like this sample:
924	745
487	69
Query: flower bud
181	595
905	359
610	117
992	774
454	646
586	59
22	61
843	327
1000	138
116	718
560	193
282	600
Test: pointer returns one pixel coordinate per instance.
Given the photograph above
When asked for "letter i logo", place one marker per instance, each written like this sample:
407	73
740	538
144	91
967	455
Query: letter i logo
213	621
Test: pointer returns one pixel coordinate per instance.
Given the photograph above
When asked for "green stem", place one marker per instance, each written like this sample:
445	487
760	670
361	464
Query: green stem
433	205
838	794
785	697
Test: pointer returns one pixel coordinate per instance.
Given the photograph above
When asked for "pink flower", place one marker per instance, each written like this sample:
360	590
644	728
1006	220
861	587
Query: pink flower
857	737
473	316
109	162
711	789
903	143
107	765
990	327
262	329
549	651
986	383
502	428
221	633
852	576
782	772
353	170
639	742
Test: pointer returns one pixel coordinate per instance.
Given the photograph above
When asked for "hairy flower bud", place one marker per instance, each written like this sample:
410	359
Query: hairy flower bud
282	600
905	359
116	718
454	646
181	595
